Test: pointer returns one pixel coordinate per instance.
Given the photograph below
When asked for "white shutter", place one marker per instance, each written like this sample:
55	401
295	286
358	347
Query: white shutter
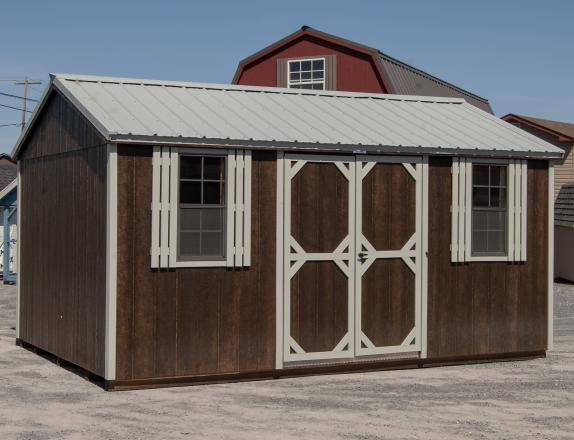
164	208
461	210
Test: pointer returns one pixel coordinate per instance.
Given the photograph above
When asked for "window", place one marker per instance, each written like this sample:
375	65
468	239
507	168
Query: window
201	207
489	209
306	74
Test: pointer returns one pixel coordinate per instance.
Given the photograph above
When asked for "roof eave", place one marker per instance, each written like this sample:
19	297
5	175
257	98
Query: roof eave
324	147
561	136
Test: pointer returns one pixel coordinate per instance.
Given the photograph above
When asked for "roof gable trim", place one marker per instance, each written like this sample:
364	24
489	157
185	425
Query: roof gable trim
515	118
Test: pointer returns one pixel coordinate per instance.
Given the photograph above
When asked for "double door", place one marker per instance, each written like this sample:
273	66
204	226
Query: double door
352	256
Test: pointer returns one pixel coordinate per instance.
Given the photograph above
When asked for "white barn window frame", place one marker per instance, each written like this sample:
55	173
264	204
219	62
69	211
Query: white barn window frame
316	72
166	209
462	211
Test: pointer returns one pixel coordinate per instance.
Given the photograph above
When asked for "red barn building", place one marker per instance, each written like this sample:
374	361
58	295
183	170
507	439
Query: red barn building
310	59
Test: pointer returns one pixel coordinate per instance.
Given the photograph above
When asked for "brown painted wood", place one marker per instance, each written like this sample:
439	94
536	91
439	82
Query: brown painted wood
484	308
63	237
319	223
388	286
189	322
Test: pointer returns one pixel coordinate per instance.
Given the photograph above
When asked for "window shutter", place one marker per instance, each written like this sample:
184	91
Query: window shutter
239	208
331	72
165	206
461	210
282	72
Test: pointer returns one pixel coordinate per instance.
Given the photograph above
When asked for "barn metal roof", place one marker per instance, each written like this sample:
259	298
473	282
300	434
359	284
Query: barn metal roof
564	206
184	113
406	79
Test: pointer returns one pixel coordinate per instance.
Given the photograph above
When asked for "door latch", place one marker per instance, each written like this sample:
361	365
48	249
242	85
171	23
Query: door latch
362	257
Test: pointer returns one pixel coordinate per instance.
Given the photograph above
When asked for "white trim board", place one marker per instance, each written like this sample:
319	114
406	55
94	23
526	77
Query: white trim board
111	262
550	318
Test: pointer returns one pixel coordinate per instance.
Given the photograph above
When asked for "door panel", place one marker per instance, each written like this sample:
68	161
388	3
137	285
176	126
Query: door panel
319	257
352	252
388	245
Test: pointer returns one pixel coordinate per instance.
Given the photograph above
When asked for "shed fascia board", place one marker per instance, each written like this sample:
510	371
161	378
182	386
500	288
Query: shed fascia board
324	148
8	189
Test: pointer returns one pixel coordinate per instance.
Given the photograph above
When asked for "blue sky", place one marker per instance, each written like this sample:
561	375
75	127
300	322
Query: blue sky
518	54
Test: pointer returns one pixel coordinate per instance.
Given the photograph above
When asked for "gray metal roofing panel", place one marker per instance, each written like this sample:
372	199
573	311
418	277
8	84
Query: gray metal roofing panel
191	113
406	80
564	206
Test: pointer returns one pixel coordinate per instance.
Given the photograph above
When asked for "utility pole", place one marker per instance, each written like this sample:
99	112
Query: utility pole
27	82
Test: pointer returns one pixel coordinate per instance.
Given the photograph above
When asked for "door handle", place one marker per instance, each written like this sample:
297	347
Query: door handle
362	257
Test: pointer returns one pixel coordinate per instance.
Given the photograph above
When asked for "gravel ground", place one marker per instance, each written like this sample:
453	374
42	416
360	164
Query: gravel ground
511	400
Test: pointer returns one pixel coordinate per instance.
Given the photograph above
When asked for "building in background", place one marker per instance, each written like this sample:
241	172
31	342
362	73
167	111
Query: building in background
8	194
557	133
311	59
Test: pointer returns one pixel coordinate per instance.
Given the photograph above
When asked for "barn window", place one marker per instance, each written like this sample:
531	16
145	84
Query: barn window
488	210
201	208
306	74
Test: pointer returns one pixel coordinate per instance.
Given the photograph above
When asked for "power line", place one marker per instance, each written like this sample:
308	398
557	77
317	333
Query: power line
10	125
15	108
16	96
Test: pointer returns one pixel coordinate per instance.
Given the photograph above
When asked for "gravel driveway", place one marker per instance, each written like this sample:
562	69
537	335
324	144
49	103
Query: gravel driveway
512	400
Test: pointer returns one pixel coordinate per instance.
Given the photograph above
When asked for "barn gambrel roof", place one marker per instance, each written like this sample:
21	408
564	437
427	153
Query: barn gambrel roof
128	110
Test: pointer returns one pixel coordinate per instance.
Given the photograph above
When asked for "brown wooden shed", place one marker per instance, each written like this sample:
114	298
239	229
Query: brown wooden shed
178	232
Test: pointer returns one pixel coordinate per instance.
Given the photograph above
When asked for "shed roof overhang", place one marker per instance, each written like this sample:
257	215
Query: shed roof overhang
154	112
562	137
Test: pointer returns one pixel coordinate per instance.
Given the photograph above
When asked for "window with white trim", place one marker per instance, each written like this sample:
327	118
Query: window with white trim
201	207
488	210
306	74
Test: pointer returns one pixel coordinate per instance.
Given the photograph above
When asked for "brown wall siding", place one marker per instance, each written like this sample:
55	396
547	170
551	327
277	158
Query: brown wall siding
486	308
63	239
188	322
59	129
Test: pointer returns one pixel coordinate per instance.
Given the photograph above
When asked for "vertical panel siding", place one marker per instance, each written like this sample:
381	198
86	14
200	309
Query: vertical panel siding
63	247
486	308
192	321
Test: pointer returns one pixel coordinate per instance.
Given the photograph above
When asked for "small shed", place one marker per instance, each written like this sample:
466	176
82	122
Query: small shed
564	232
175	232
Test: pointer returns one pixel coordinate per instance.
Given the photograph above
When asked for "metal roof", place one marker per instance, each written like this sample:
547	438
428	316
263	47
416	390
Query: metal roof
184	113
406	79
564	206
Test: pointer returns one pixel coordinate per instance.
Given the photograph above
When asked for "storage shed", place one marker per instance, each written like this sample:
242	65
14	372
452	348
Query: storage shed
177	232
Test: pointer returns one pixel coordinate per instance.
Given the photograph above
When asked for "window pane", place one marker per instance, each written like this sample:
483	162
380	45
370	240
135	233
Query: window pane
479	220
189	244
189	192
295	76
211	219
479	241
498	176
318	86
212	244
305	86
480	197
305	76
213	168
305	65
190	167
294	66
317	75
189	219
496	241
212	193
496	220
480	175
497	197
318	65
